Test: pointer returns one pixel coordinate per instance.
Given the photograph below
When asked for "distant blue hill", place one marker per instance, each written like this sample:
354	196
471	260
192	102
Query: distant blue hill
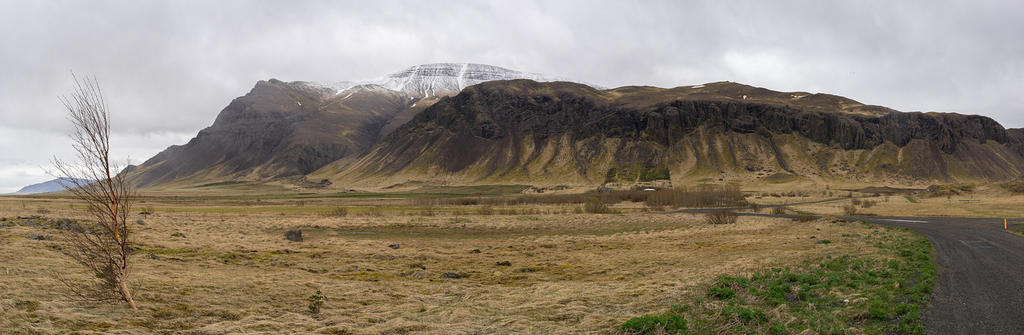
45	187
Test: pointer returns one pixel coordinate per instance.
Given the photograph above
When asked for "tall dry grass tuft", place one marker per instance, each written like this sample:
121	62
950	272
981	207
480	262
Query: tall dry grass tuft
104	246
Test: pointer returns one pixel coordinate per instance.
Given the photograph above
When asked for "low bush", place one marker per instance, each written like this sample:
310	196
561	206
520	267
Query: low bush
338	212
720	292
721	217
316	301
804	218
850	210
595	205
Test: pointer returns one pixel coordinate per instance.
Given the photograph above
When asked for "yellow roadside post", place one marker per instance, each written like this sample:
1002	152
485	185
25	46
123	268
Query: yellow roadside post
1004	224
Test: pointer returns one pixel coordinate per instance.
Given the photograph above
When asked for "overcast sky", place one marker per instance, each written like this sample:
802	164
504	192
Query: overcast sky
168	67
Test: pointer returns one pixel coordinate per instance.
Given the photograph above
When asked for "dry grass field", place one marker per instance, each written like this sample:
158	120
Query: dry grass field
984	201
223	266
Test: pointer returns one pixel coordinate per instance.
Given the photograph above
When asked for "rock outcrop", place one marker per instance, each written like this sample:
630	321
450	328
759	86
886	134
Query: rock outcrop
522	131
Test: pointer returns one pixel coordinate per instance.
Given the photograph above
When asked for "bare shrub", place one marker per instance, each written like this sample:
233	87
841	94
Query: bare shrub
850	210
338	212
374	211
804	218
103	246
595	205
720	217
486	210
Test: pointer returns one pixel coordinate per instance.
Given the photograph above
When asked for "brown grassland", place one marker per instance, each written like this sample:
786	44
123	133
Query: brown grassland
221	264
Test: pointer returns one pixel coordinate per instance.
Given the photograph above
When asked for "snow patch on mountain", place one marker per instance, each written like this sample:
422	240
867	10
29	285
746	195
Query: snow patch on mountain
437	79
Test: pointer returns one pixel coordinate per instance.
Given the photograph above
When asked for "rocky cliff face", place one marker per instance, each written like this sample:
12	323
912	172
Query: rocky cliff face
523	131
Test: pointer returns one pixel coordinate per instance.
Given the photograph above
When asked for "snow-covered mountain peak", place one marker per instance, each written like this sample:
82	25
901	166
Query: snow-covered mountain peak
449	78
439	79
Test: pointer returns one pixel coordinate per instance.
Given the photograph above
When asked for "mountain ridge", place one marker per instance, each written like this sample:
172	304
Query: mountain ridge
446	122
289	129
49	186
486	135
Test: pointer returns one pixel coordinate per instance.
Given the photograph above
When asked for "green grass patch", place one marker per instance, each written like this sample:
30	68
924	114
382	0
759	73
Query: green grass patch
656	324
1016	228
911	199
827	296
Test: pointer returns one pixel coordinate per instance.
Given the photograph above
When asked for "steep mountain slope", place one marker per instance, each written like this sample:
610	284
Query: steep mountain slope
564	133
282	129
278	129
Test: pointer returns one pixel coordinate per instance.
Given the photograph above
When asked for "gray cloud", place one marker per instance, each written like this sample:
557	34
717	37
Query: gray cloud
168	67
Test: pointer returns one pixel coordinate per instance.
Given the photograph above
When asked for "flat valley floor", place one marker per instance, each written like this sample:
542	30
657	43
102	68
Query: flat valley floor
207	267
